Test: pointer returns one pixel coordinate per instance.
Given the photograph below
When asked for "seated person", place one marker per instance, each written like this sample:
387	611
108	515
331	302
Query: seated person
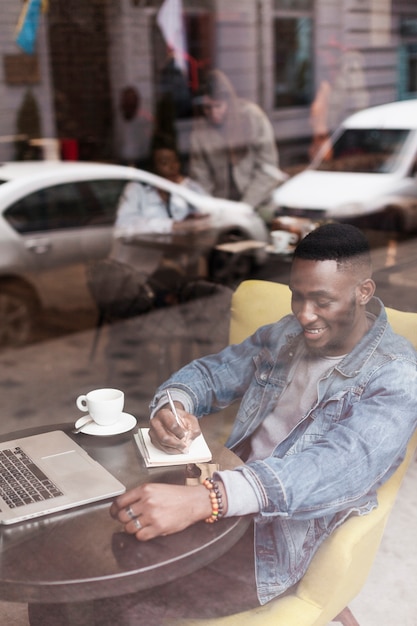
328	397
146	210
327	407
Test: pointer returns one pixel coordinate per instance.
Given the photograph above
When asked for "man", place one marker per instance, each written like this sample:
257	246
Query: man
135	128
233	148
328	399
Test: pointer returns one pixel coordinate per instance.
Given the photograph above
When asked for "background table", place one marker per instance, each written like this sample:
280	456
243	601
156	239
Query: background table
83	554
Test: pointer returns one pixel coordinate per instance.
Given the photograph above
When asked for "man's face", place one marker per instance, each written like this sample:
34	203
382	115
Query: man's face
215	110
329	303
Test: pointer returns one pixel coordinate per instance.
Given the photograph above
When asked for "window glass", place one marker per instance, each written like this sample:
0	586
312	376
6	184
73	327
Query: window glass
105	197
367	150
101	85
28	214
70	205
293	5
408	70
293	72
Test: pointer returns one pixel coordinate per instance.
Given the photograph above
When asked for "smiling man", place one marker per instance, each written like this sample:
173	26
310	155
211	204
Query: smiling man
329	295
328	401
327	406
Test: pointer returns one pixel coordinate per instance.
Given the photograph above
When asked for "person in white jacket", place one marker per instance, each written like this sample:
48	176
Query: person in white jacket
147	210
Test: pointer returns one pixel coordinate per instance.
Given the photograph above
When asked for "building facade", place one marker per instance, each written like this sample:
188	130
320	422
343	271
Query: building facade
307	63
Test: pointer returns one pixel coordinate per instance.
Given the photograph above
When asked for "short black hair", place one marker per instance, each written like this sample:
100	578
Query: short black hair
338	242
164	141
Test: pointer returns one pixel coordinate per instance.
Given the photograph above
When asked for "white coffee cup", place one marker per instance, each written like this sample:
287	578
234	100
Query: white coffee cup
105	406
299	225
282	239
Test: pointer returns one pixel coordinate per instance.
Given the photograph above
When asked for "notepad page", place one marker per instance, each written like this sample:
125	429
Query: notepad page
199	452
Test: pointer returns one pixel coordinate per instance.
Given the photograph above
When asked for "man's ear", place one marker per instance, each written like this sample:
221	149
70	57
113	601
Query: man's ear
366	290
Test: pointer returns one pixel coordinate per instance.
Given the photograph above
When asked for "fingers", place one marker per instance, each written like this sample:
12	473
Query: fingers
169	436
119	507
151	510
170	441
127	509
194	427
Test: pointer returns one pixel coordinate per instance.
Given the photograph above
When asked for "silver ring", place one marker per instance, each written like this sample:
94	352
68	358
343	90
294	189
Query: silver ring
137	524
130	512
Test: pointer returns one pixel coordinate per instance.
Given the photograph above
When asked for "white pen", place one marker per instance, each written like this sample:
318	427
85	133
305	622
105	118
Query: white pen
174	409
177	419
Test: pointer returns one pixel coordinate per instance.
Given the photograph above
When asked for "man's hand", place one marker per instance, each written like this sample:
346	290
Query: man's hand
193	223
155	509
169	436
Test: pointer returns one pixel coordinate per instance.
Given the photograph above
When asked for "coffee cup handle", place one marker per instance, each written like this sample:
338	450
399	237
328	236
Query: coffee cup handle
82	403
293	238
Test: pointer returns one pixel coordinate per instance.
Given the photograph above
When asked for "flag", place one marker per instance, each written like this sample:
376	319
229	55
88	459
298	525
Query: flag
27	26
170	21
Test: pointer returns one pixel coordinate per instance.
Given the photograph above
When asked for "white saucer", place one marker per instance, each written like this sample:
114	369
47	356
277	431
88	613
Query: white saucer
271	250
125	423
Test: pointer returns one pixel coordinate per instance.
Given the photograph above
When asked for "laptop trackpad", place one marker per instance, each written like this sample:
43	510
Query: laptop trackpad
67	462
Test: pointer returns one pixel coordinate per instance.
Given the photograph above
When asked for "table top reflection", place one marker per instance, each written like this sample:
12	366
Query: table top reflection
83	554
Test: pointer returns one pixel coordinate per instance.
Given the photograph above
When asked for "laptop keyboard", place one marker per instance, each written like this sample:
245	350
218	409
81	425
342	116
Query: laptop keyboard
21	481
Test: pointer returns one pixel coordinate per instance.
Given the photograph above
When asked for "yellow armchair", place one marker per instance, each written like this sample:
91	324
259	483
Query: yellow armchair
342	563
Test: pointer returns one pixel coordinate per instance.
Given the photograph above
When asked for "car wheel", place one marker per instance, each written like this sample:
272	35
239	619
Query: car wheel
17	314
229	268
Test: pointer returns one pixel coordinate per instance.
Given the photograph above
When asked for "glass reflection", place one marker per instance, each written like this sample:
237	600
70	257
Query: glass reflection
97	85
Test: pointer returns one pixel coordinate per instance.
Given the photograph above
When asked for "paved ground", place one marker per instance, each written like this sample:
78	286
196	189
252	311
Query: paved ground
40	384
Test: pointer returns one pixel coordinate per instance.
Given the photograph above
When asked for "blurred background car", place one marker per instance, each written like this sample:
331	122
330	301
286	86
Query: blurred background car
56	217
366	174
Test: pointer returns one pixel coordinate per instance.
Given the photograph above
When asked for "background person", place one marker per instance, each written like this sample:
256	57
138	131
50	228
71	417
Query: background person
135	129
233	149
146	210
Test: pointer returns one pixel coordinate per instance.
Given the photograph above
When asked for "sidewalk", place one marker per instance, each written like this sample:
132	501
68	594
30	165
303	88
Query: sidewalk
40	386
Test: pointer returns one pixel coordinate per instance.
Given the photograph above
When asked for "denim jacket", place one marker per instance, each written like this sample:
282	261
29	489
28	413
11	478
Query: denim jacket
331	464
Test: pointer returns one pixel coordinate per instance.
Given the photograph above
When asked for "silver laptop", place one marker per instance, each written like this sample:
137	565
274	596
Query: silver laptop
48	472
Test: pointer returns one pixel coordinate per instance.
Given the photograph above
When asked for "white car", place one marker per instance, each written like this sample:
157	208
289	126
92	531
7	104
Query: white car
55	217
367	175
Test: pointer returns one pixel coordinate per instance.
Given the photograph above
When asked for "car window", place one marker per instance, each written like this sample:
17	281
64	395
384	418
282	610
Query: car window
365	150
106	194
69	205
52	208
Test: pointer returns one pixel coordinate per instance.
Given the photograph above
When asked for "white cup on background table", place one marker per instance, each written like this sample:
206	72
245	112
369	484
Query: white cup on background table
282	240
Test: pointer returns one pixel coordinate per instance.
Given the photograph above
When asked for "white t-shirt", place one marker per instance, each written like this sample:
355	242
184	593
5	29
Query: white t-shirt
294	402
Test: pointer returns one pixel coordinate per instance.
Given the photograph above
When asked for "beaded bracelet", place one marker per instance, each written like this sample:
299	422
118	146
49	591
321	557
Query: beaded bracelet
215	500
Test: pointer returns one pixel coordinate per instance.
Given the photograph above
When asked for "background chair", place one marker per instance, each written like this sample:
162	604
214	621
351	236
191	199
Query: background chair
342	563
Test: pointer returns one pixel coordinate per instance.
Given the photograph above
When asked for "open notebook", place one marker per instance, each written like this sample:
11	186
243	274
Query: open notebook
199	452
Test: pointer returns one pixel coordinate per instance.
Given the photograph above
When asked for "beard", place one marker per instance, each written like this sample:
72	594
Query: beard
336	345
